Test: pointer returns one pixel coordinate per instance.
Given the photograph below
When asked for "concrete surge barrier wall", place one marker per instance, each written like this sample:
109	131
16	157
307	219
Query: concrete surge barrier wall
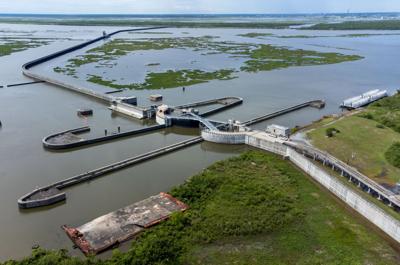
27	66
369	210
223	137
75	88
275	147
129	110
373	213
59	146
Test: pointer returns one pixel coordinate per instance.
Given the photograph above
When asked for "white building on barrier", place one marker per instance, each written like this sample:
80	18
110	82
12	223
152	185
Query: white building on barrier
278	130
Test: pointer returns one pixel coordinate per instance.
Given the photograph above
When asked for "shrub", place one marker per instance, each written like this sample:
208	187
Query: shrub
380	126
330	132
367	115
392	155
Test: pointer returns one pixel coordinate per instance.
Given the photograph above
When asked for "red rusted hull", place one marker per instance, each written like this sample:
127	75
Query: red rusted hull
108	230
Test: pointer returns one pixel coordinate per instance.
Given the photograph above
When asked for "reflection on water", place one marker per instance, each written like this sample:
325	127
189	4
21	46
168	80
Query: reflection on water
31	112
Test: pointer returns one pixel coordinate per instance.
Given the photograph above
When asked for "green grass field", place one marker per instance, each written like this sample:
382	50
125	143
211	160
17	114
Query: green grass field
368	134
362	137
253	209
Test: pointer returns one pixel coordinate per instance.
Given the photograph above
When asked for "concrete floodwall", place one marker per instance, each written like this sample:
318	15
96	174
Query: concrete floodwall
75	88
273	147
369	210
129	110
224	137
376	215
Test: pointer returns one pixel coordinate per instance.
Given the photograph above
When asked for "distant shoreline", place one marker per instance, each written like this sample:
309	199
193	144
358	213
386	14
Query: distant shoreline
134	23
316	21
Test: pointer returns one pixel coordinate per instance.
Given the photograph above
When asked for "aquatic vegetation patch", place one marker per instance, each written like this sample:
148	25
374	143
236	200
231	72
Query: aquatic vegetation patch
353	35
255	58
9	46
168	79
267	57
255	35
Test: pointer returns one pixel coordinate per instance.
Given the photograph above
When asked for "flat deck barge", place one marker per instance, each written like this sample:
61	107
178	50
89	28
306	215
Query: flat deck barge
123	224
364	99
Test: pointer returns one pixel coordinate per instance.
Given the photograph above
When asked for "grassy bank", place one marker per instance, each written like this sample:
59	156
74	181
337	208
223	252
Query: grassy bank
358	25
385	111
360	143
256	57
365	139
252	209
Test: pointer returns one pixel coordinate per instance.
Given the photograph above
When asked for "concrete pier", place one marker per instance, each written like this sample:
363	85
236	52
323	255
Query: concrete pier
52	194
314	103
26	83
70	139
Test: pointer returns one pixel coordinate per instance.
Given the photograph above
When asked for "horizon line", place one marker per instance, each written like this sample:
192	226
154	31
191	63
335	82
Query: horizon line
212	14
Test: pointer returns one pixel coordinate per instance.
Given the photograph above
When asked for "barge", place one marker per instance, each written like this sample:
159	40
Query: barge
113	228
364	99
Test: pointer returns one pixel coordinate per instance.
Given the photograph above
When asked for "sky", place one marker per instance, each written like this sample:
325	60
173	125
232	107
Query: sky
195	6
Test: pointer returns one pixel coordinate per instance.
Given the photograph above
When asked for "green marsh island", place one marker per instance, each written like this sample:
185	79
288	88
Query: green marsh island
9	46
236	57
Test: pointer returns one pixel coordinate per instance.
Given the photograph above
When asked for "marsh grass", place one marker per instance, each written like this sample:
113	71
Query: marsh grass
257	57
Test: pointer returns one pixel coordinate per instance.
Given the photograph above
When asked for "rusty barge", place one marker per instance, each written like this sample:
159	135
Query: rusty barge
121	225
